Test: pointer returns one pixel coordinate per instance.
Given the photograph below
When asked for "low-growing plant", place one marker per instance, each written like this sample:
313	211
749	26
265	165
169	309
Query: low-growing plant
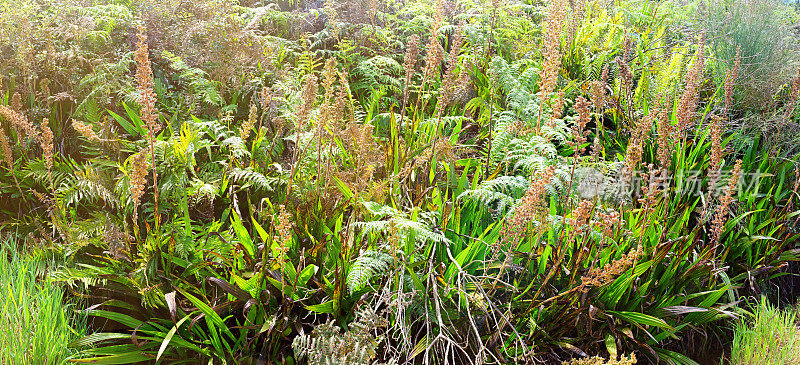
768	335
37	322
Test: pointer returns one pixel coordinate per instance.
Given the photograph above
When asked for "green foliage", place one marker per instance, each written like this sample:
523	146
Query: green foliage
327	345
760	31
768	335
366	266
199	84
37	326
376	73
294	182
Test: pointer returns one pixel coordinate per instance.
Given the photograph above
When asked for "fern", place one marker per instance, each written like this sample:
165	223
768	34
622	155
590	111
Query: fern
86	184
376	73
225	136
327	345
247	177
399	222
199	83
107	82
523	134
499	193
531	155
368	265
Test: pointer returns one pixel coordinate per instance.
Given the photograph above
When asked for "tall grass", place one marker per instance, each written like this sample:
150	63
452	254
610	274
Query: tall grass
36	326
770	336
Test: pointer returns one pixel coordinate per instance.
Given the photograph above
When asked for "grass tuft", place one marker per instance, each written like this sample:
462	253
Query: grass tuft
36	327
769	336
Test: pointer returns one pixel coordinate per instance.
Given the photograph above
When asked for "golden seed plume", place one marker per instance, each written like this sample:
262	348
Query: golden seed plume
548	76
718	224
85	130
687	104
409	61
145	86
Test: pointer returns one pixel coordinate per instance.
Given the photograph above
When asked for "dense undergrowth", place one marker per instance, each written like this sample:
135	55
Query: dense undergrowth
401	181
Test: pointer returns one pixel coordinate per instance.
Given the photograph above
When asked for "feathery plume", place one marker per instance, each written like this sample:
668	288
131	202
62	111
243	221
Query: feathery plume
283	228
19	122
453	82
581	216
558	105
609	272
626	82
687	104
596	147
665	138
531	207
16	102
148	111
138	180
85	130
597	94
639	137
247	126
409	61
435	52
730	79
46	141
556	13
715	161
609	222
718	224
307	99
145	86
6	147
579	131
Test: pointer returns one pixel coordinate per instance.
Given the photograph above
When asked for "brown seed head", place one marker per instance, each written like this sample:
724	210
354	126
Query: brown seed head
531	207
85	130
46	141
19	122
146	86
8	158
138	178
307	99
248	125
612	270
16	102
715	160
718	224
730	79
579	131
409	61
548	76
687	104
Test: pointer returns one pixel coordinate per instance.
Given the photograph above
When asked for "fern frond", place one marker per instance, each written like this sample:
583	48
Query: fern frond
198	80
247	177
377	72
499	193
368	265
86	184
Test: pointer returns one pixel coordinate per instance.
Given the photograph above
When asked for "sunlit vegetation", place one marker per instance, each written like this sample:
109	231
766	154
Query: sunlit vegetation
387	182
